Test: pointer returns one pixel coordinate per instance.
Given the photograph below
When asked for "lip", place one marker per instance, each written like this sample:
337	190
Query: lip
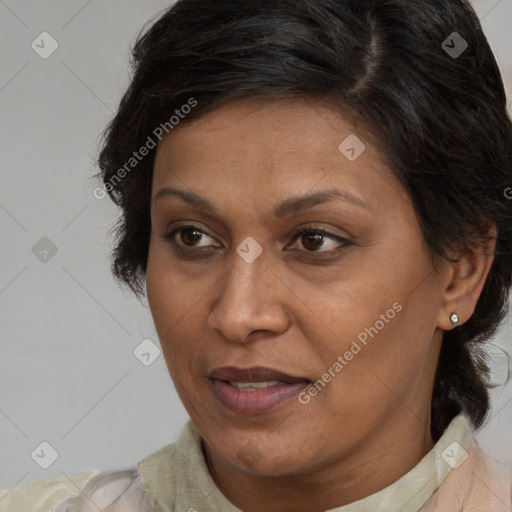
253	374
254	402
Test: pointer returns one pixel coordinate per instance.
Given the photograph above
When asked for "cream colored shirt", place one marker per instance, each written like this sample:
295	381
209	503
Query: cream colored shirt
454	476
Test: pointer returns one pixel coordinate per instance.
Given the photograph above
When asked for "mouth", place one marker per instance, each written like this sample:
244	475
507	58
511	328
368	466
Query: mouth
254	390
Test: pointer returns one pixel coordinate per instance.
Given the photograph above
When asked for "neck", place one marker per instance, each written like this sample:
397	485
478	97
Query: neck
366	471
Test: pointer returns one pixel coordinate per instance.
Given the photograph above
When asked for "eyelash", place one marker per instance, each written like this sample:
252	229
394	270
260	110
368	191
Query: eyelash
169	237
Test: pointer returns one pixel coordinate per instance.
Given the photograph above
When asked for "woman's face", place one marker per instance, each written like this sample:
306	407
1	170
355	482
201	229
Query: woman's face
353	304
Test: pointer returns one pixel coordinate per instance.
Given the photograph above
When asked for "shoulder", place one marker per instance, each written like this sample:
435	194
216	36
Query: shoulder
109	491
159	476
119	490
478	482
42	495
151	484
492	477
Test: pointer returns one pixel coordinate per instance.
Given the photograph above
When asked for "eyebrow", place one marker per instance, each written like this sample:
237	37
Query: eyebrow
293	205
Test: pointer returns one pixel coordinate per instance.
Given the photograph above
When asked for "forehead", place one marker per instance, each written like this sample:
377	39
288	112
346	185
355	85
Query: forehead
268	150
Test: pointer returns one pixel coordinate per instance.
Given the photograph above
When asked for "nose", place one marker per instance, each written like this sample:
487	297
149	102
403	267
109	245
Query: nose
251	298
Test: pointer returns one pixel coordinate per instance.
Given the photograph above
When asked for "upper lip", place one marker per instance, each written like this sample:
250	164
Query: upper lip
253	374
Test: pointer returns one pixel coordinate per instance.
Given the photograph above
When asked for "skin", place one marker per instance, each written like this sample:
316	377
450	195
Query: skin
296	308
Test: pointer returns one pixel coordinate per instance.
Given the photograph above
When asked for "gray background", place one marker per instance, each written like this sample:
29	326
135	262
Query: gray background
69	376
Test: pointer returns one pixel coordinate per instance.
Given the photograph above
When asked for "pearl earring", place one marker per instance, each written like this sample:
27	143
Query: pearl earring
454	318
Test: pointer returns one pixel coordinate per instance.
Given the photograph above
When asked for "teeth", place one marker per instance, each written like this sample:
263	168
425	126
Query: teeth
253	386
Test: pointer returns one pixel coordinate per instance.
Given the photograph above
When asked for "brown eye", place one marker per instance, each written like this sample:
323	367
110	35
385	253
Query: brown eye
189	236
314	239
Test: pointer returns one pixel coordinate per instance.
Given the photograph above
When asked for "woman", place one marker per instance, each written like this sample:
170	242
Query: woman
313	199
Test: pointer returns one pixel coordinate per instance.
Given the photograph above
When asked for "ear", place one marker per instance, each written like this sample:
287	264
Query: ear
465	279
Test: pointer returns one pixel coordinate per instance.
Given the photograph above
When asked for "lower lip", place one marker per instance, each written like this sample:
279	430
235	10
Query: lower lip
255	402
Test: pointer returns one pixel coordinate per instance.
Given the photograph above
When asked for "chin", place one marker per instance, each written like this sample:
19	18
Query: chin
276	465
260	455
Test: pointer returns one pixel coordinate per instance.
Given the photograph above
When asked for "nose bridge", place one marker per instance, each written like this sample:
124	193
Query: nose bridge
245	284
250	262
248	299
249	271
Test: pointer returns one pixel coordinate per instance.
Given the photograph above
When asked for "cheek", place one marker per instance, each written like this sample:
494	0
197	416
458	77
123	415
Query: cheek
166	305
174	303
157	290
166	292
382	326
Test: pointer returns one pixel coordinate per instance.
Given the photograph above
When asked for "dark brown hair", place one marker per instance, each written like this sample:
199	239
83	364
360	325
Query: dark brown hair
439	120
